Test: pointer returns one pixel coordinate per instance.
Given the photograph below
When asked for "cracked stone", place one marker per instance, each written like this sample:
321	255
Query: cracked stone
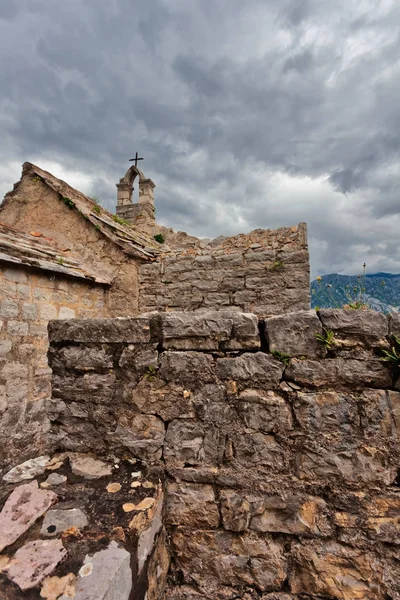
27	470
89	468
25	505
34	561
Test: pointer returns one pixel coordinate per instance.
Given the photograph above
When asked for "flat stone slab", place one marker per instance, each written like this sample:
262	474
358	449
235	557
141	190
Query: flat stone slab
58	520
25	505
27	470
88	467
34	561
106	575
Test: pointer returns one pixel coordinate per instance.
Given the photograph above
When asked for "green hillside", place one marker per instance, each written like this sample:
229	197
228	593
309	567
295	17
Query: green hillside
381	291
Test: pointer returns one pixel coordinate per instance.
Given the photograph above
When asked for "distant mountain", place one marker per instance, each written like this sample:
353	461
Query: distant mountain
382	291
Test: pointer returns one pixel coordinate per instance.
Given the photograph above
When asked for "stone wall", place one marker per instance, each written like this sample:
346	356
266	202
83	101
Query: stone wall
265	272
280	452
28	300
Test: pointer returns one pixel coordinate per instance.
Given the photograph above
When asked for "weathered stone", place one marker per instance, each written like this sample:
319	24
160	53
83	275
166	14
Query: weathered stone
339	373
24	506
189	443
292	514
365	465
383	519
331	413
235	511
187	367
212	559
27	470
57	521
335	571
143	435
294	334
192	505
54	587
394	398
147	536
158	568
258	368
363	325
375	414
258	450
210	331
88	467
107	576
167	400
394	324
34	561
81	358
264	411
109	331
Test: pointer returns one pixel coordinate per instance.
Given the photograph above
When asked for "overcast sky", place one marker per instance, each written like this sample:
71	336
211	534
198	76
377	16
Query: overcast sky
256	113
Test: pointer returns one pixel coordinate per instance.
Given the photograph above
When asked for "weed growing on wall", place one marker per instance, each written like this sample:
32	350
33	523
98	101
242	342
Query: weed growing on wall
159	238
282	357
120	221
393	355
327	338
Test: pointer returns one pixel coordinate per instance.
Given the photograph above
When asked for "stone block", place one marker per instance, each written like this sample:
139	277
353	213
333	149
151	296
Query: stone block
143	435
66	313
29	311
258	450
375	414
16	275
258	368
47	312
98	387
362	466
209	331
9	309
366	326
192	505
81	358
220	558
264	411
291	514
235	511
129	330
156	397
187	368
294	334
5	347
329	413
339	373
17	328
190	443
336	571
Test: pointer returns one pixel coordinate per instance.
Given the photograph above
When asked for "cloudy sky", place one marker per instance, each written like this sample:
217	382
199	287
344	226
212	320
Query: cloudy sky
256	113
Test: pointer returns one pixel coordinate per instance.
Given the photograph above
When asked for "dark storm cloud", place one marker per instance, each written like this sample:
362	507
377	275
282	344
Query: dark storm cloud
251	114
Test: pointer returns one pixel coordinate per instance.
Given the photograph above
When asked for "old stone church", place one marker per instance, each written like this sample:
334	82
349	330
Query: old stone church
175	422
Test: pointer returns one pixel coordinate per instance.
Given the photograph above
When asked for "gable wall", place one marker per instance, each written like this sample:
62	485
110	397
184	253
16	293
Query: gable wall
36	207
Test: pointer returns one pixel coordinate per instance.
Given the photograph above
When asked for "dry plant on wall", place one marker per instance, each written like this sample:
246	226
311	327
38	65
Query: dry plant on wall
355	297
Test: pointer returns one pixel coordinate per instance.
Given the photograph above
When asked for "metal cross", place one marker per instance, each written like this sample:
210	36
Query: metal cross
136	159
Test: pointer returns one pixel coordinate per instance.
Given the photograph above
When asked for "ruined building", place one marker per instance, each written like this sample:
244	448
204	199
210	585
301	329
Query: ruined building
185	428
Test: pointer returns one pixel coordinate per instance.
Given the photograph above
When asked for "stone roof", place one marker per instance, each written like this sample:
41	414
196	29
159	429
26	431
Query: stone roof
131	241
35	250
